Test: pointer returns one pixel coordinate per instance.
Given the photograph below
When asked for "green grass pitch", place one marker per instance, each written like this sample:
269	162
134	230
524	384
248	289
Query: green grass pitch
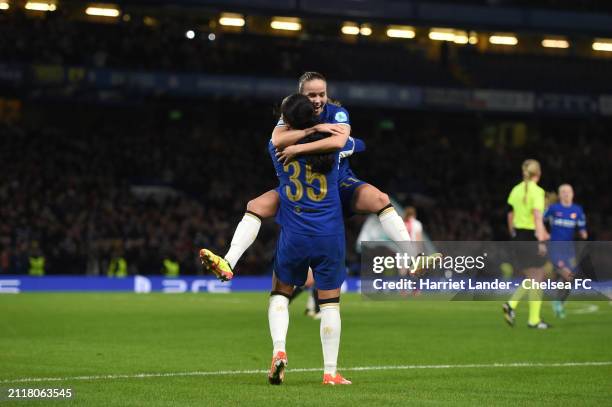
110	338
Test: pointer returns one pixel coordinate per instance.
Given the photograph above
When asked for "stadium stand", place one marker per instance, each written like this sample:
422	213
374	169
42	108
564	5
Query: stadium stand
72	185
150	179
135	46
536	72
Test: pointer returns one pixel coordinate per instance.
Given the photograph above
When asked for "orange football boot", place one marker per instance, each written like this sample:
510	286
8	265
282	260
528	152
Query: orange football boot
277	368
337	379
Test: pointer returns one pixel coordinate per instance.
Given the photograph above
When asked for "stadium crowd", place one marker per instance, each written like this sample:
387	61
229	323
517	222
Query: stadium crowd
83	185
57	40
163	47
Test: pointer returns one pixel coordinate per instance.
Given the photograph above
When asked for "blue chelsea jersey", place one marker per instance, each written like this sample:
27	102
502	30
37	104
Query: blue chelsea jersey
353	145
309	201
564	220
334	114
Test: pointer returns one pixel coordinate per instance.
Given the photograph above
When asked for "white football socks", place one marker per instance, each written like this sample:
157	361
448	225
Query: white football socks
394	225
244	236
330	336
278	317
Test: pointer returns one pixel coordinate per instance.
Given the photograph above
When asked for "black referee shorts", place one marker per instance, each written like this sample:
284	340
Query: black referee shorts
526	254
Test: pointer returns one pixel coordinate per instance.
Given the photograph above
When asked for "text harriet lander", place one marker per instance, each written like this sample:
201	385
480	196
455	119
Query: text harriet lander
469	284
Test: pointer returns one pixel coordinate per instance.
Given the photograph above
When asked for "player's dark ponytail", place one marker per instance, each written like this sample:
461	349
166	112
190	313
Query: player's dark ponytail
321	163
297	112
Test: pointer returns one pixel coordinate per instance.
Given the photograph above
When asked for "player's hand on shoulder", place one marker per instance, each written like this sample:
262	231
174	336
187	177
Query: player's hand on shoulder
288	153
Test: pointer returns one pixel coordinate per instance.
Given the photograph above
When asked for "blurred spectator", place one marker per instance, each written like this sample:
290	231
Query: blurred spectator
93	183
413	225
58	39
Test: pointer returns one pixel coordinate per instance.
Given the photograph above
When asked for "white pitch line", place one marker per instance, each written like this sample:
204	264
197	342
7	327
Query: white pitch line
588	309
300	370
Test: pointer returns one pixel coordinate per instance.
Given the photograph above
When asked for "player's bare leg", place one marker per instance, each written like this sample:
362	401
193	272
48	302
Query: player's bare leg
262	207
331	325
278	318
369	199
312	306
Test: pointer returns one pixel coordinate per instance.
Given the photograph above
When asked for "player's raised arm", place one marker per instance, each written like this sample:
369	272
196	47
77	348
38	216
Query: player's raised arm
283	135
328	144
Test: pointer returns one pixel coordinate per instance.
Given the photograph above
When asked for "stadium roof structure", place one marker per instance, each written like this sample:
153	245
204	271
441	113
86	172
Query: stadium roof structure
417	12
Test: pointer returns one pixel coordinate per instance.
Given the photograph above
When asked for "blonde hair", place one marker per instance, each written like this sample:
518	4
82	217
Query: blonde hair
530	168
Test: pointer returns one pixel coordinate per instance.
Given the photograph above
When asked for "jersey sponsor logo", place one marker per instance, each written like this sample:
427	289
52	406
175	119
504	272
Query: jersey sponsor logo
310	210
566	223
341	117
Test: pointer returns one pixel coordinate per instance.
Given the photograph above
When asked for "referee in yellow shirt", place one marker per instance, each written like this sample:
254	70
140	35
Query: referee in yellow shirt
525	223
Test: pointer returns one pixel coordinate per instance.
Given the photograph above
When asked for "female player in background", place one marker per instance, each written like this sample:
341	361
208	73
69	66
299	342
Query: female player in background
357	196
564	219
525	223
